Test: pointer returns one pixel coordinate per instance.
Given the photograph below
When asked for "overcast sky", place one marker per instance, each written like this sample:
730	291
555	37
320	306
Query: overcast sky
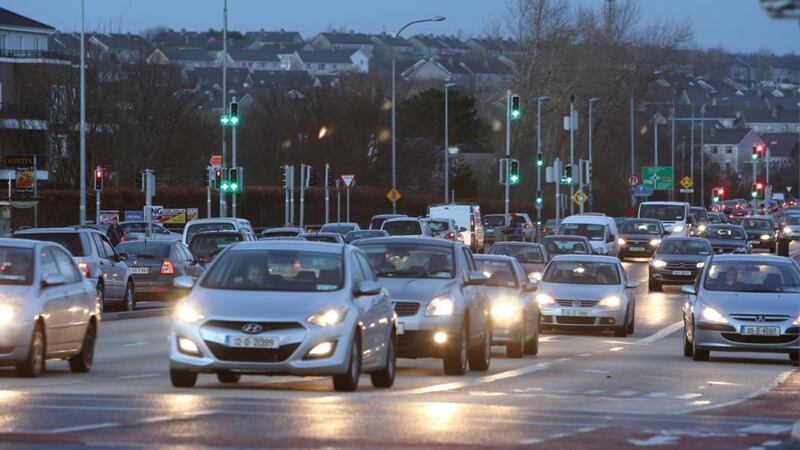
738	25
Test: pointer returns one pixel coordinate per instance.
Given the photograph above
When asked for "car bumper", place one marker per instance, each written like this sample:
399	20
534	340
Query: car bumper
417	337
505	332
646	252
728	338
597	318
158	290
15	341
668	277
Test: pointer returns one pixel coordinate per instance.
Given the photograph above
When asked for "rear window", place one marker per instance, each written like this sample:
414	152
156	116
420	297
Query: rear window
403	228
341	229
71	241
317	238
523	253
208	245
142	249
500	273
494	221
437	226
212	226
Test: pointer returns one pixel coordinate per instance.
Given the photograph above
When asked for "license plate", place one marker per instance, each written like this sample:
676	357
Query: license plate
252	341
139	270
754	242
576	312
761	331
637	249
682	273
401	328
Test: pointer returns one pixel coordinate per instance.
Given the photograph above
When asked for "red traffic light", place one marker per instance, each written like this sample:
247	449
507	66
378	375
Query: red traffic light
759	185
721	191
98	174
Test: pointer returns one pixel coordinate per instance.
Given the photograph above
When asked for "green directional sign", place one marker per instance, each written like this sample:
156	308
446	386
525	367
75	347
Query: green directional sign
658	178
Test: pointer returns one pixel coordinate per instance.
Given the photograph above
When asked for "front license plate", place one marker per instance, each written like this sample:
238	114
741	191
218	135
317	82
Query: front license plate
754	242
761	331
682	273
252	341
139	270
401	328
637	249
576	312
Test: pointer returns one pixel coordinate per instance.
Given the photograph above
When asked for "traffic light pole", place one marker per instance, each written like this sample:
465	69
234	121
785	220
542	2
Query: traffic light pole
303	181
506	199
291	194
571	149
755	198
557	174
208	191
338	202
538	167
327	192
235	166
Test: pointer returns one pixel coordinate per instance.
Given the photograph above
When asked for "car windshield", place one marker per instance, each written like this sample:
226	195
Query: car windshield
341	229
684	247
500	273
318	238
565	246
403	228
276	270
592	231
662	212
747	276
212	226
525	254
72	241
494	221
793	220
640	227
581	272
714	218
143	249
438	226
759	224
410	260
16	266
208	245
724	233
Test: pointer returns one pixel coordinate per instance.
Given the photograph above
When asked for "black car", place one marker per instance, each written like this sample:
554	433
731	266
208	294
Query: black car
727	238
566	245
761	232
155	264
678	261
716	217
331	238
206	245
364	234
639	237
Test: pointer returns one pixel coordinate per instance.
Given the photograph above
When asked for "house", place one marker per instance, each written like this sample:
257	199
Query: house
783	149
182	39
280	37
384	43
20	35
725	115
332	62
493	46
210	78
427	46
287	80
772	120
256	60
343	41
730	149
187	58
472	73
122	47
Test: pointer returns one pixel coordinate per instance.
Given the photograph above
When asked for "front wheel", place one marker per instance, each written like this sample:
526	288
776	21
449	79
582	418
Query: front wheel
622	330
348	381
516	349
698	354
182	378
688	349
228	377
532	344
128	301
82	362
455	358
34	364
480	357
795	357
384	378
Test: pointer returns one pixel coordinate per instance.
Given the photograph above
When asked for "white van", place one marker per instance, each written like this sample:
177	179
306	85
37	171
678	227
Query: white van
600	230
214	224
468	218
674	216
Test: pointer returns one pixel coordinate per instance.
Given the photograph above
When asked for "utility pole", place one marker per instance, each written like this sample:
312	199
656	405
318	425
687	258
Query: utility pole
589	181
223	206
655	140
702	156
691	153
82	194
672	136
571	149
557	171
303	181
507	201
208	191
447	142
291	194
633	147
234	162
539	160
338	202
327	192
286	217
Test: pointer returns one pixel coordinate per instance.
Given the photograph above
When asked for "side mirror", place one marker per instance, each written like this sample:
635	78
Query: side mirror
367	288
688	289
122	257
476	279
183	282
631	285
54	280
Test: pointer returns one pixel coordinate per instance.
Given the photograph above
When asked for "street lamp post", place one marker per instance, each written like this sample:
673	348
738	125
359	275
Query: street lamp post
447	142
589	181
394	100
223	206
539	101
82	207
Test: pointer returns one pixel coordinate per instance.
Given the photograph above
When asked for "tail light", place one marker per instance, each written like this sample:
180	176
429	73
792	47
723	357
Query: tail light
122	239
451	235
167	268
527	226
84	268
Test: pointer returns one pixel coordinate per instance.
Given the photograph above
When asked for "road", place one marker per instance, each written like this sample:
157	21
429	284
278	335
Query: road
582	391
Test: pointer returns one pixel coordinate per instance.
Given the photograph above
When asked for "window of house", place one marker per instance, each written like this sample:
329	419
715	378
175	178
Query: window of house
36	44
321	66
2	42
714	150
729	149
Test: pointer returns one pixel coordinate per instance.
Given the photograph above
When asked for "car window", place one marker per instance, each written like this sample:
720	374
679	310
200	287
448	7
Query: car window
98	245
186	253
70	241
582	272
366	267
409	260
724	233
66	265
16	266
595	232
662	212
684	247
403	228
356	272
470	260
746	276
212	226
526	254
206	246
759	224
48	264
145	249
640	227
500	273
437	226
107	248
565	246
494	221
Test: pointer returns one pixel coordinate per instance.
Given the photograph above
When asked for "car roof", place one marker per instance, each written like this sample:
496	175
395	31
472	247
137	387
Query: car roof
217	220
19	243
216	233
586	258
295	244
412	240
57	230
340	223
664	203
752	258
518	244
385	216
681	238
495	258
573	237
162	242
277	229
405	219
590	219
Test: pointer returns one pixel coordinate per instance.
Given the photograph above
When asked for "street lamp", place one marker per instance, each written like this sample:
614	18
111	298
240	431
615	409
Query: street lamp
82	195
589	181
447	87
394	100
539	158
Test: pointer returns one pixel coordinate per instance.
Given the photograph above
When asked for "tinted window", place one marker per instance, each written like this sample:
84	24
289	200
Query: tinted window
591	231
205	246
565	246
437	226
107	248
356	272
366	267
684	247
662	212
341	229
70	241
212	226
500	273
724	233
66	266
409	260
16	266
523	253
743	276
793	220
403	228
640	227
576	272
494	221
761	224
48	264
699	214
376	223
143	249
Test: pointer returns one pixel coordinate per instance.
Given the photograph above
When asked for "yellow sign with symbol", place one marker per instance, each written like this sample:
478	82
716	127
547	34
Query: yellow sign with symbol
579	197
393	195
687	183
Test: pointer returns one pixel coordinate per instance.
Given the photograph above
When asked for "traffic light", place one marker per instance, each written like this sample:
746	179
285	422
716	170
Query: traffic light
757	189
285	176
758	151
219	179
234	114
235	182
328	177
567	177
224	120
516	111
206	176
717	194
539	199
311	176
513	172
99	177
539	159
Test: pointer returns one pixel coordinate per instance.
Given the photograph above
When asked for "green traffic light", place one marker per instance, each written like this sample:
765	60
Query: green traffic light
234	187
514	179
224	187
515	114
754	194
539	163
715	199
234	120
224	120
539	200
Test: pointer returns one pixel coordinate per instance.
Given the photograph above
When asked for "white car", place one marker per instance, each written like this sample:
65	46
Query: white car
599	229
218	224
674	216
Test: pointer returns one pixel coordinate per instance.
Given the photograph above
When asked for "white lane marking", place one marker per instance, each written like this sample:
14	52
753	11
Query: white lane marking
142	375
653	441
481	380
594	391
134	344
661	334
91	426
584	355
688	396
559	435
602	372
626	393
616	349
563	360
766	428
778	380
657	395
533	441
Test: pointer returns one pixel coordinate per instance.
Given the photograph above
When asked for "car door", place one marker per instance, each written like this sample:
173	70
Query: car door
116	272
366	309
78	297
381	311
474	296
55	304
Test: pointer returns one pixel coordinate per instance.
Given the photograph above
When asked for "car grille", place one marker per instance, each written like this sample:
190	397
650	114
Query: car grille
637	243
267	326
404	309
759	339
722	250
571	303
564	320
263	355
759	318
681	266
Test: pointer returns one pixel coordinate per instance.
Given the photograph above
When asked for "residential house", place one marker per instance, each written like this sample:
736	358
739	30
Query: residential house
187	58
210	78
287	80
343	41
20	34
493	46
280	37
121	47
384	43
182	39
773	120
256	60
730	149
471	73
426	46
331	62
783	149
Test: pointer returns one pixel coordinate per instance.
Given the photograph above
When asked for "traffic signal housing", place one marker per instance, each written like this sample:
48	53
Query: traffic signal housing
234	114
516	110
311	176
235	182
758	151
219	178
206	176
539	199
99	178
757	190
513	171
285	176
567	177
539	159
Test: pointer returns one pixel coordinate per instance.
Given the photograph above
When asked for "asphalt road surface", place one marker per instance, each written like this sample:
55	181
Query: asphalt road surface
587	391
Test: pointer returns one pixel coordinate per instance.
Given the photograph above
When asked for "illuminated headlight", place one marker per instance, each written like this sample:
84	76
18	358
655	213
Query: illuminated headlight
712	315
764	237
659	263
655	242
677	229
187	313
187	346
700	265
327	318
545	300
701	228
505	311
740	250
321	350
610	302
440	306
787	230
535	277
621	241
796	321
6	314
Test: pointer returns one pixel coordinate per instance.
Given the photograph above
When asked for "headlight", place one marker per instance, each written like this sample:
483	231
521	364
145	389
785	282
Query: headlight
740	250
658	263
701	228
535	276
712	315
787	230
700	265
545	300
796	321
621	241
505	311
440	306
677	229
655	242
327	318
6	314
187	313
764	237
610	302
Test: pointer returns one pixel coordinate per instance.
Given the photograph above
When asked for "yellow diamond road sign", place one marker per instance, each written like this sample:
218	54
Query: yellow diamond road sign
579	197
393	195
687	183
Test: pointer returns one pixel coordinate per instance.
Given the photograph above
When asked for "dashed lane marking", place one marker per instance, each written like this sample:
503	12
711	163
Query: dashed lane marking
661	334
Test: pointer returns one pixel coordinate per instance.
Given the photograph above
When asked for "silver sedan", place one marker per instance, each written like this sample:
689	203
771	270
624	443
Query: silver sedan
47	309
583	291
744	303
285	307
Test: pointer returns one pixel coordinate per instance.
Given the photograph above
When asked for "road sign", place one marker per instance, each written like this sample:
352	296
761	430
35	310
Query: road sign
393	195
348	180
215	161
642	192
579	197
18	161
657	178
633	180
687	183
687	191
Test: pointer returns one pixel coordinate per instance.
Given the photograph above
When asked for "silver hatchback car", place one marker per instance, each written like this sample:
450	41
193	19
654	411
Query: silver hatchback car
47	311
747	303
285	308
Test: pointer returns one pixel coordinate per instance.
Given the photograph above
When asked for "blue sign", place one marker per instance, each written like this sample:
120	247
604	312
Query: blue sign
642	192
134	216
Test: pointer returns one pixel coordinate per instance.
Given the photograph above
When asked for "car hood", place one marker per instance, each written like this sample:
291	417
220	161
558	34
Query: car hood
681	258
752	302
417	289
255	305
579	291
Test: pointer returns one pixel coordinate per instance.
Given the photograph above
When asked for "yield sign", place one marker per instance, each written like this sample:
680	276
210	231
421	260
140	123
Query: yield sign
393	195
348	180
215	161
687	183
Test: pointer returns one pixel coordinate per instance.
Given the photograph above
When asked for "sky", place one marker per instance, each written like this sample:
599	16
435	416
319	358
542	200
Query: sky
736	25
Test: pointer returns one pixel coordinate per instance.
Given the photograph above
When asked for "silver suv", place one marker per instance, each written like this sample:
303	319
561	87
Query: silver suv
97	260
